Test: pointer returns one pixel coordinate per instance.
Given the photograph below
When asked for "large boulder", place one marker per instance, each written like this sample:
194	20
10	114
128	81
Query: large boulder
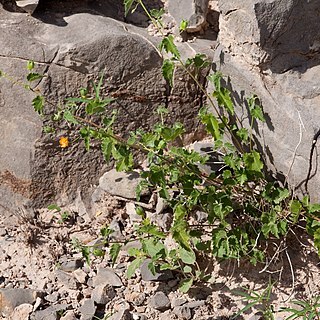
70	49
271	48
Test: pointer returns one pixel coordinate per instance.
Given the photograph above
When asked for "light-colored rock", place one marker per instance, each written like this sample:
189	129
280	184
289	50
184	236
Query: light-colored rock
80	275
69	315
22	312
182	312
121	184
102	294
87	309
12	298
131	212
266	48
159	301
107	276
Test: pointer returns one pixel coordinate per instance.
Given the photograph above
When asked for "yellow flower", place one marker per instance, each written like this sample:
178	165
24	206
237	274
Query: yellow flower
64	142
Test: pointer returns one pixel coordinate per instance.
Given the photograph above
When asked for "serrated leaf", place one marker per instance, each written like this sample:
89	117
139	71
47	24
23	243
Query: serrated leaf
168	71
134	265
252	161
34	76
69	117
38	104
185	285
106	147
168	45
114	252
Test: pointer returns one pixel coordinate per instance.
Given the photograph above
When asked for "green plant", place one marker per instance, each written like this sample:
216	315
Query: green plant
243	210
64	215
306	310
261	301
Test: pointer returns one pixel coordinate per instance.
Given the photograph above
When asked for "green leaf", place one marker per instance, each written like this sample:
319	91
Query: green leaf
243	134
34	76
212	124
187	256
128	4
155	249
69	117
168	67
106	147
54	207
183	25
168	45
185	285
38	104
98	252
252	161
30	65
114	252
134	265
254	109
187	269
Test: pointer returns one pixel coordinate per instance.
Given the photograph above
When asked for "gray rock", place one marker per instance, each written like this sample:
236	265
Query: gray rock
69	315
67	279
49	313
121	184
87	310
147	275
176	302
102	294
34	169
123	314
195	304
258	52
53	297
107	276
12	298
159	301
182	312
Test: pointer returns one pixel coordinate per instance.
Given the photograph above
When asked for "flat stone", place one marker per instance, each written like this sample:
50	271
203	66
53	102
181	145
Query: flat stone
11	298
159	301
87	310
123	314
176	302
49	313
102	294
67	279
107	276
121	184
80	275
71	265
195	304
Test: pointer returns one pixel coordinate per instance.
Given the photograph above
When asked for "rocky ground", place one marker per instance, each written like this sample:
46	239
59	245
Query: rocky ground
43	276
